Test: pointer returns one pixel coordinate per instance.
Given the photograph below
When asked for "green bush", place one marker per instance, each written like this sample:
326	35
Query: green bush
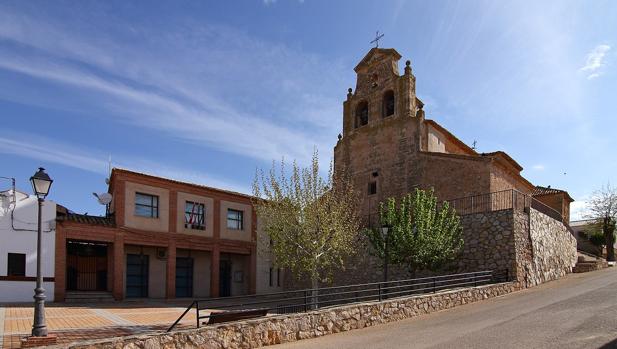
597	238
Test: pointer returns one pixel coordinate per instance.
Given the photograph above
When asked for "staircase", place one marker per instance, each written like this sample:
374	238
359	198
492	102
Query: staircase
587	262
88	296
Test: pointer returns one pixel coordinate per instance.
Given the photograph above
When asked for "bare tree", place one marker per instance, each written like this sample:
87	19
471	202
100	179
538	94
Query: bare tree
311	221
603	209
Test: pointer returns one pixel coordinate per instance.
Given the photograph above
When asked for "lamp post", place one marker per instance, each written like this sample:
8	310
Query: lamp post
385	229
41	182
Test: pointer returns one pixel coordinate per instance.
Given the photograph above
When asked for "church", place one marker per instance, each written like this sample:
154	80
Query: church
390	148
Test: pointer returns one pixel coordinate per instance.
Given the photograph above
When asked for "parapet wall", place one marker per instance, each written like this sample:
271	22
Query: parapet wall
293	327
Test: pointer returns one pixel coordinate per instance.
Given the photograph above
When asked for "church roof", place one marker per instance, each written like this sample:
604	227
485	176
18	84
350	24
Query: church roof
540	190
506	157
375	51
449	134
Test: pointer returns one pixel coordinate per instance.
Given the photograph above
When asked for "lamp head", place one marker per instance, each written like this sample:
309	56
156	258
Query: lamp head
41	182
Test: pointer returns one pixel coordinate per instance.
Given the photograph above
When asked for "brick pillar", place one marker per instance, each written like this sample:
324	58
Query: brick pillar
118	270
253	271
173	211
119	202
217	219
60	265
171	270
253	262
214	272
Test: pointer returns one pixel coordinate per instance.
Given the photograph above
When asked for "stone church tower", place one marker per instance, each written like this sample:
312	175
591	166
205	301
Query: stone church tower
390	148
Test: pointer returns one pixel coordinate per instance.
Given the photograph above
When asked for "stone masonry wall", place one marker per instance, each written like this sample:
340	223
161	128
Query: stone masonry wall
488	242
498	240
546	249
289	328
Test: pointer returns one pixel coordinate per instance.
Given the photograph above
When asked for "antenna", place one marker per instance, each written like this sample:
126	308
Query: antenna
108	170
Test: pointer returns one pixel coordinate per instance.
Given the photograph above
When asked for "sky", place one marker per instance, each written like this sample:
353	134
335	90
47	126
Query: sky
209	91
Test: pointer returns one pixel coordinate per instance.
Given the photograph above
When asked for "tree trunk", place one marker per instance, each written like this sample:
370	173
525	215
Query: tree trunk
314	293
609	235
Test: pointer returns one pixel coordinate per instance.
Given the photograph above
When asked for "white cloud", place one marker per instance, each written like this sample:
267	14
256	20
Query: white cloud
595	61
538	167
578	209
196	82
95	161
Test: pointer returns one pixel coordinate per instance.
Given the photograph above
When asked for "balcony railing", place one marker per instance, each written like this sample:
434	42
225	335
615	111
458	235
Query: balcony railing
510	199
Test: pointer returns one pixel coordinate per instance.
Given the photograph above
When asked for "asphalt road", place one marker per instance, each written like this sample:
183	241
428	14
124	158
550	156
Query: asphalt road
578	311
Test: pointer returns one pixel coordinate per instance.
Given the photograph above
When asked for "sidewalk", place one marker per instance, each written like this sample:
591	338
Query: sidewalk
72	322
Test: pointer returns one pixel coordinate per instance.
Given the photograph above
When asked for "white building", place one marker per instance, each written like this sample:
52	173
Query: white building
18	234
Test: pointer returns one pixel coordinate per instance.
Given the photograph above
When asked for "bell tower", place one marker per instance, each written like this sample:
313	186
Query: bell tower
380	92
381	122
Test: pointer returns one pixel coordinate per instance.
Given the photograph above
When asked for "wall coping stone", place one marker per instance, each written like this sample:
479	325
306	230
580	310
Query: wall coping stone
276	329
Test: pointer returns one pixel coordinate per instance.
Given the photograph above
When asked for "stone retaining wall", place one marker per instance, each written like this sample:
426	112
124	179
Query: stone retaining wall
547	249
488	242
288	328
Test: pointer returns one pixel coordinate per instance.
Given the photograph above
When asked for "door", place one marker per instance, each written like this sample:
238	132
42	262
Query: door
86	266
136	276
225	278
184	277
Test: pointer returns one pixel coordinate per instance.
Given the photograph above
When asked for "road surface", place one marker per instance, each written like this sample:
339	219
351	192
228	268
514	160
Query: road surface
578	311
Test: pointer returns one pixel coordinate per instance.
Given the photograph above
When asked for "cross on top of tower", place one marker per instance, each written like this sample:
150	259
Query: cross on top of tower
376	40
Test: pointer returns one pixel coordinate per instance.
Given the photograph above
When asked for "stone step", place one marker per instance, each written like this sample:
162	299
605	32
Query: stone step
86	297
587	266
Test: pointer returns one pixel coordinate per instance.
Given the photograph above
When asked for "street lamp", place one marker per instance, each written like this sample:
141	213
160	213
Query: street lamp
385	229
41	182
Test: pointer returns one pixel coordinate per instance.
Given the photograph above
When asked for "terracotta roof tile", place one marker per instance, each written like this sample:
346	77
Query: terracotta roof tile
540	190
87	219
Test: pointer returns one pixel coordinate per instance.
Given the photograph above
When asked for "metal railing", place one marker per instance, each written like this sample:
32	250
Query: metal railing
495	201
510	199
310	299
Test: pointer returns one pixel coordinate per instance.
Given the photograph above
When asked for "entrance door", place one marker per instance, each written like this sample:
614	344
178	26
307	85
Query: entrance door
136	276
225	278
86	266
184	277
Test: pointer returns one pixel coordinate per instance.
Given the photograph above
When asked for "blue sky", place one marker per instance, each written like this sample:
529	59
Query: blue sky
209	91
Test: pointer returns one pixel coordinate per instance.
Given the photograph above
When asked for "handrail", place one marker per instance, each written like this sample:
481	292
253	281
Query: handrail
509	199
308	299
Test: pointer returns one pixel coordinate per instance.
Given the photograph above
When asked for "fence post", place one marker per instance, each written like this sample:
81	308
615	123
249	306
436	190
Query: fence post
305	300
513	201
197	315
379	291
434	285
475	281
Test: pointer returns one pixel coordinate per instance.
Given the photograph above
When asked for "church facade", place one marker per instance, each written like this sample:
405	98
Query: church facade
390	148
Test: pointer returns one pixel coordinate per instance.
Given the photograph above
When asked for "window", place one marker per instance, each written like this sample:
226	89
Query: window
194	215
16	264
234	219
362	114
278	277
372	188
388	104
146	205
